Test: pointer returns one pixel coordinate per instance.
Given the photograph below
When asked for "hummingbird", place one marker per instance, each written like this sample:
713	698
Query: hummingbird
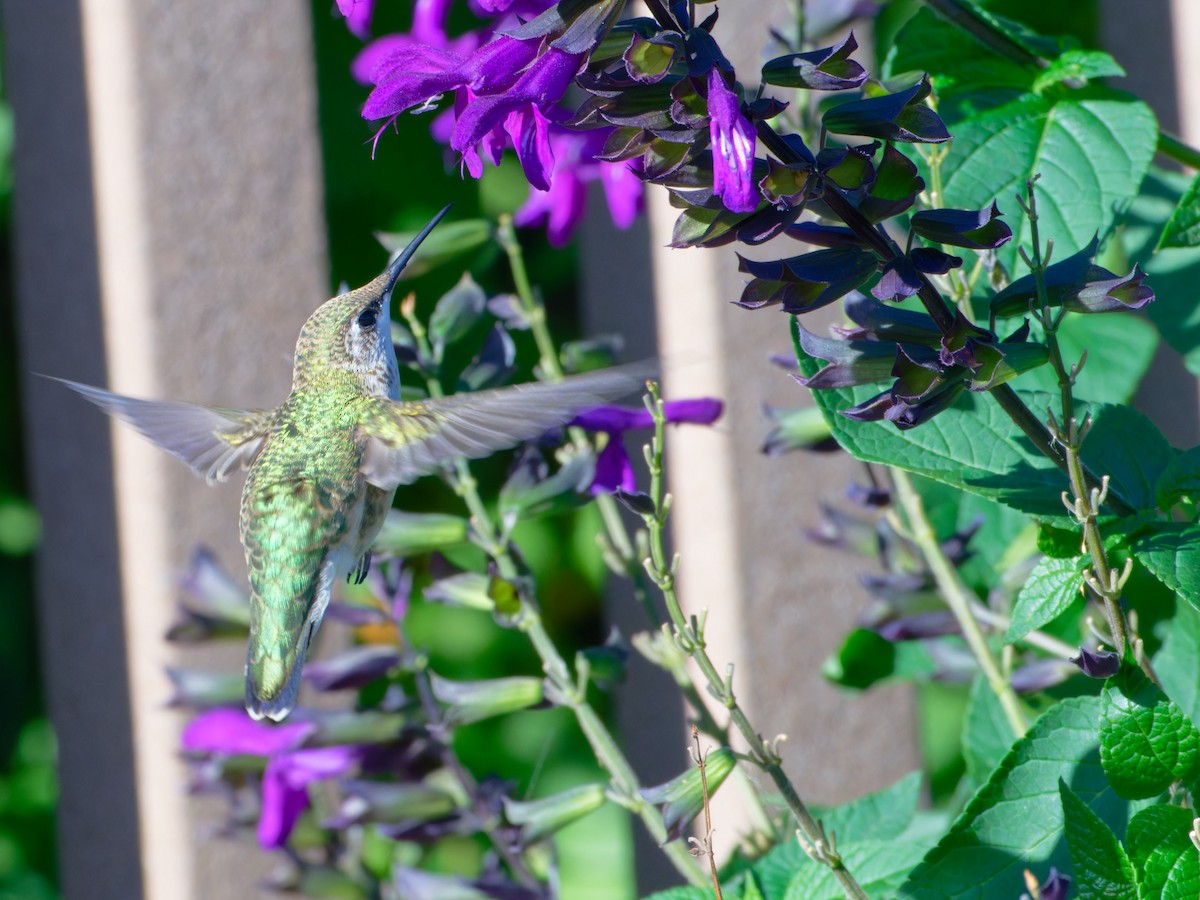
325	464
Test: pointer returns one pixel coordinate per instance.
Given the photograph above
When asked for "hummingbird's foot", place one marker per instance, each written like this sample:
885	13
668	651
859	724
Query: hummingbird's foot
359	574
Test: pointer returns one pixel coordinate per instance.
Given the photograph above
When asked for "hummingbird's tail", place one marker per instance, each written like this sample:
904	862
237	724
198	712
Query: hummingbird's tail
277	649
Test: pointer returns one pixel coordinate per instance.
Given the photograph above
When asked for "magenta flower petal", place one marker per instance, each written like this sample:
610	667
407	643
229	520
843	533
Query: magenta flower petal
429	21
529	130
613	419
410	76
232	731
733	140
358	15
498	64
285	783
613	469
696	411
542	84
623	191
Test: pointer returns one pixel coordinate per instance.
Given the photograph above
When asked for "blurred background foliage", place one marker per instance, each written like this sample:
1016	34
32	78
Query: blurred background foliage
28	787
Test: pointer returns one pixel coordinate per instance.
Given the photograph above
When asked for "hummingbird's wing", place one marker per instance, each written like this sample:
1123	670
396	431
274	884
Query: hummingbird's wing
408	440
211	441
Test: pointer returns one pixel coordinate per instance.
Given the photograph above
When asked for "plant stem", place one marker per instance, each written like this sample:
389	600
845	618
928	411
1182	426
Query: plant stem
567	691
958	597
1174	148
1039	639
628	564
689	634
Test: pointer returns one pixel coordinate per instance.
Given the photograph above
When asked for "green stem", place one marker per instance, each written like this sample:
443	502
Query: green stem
959	598
622	778
690	637
1174	148
1039	639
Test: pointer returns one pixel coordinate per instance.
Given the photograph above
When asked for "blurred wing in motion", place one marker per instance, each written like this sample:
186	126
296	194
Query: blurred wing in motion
408	440
211	441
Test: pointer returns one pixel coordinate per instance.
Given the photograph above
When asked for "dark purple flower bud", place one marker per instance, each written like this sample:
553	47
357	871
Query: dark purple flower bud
918	373
849	168
894	189
974	230
894	586
784	185
958	346
904	414
823	235
953	663
1115	294
932	261
919	626
353	668
807	282
901	116
1102	664
998	363
829	69
733	138
862	495
850	362
1079	285
648	60
891	323
213	604
1041	675
899	280
955	547
841	531
872	409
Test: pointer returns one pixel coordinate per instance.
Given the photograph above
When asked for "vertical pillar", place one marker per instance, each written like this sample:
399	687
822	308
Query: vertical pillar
169	244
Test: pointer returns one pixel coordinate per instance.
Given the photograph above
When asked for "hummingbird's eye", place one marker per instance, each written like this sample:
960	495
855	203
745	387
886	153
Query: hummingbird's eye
366	318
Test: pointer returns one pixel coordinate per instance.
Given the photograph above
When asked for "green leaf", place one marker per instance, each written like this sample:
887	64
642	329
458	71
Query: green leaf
1015	821
1170	551
1119	351
1050	590
878	866
863	659
954	59
1099	863
447	241
1177	664
880	816
1078	66
1146	742
1183	228
1168	864
1128	447
777	868
1092	148
456	312
1180	480
751	890
987	734
1173	273
691	892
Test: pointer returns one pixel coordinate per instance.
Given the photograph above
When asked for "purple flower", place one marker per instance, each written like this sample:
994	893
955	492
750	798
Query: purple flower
613	468
733	139
289	770
358	15
285	788
231	731
562	207
522	108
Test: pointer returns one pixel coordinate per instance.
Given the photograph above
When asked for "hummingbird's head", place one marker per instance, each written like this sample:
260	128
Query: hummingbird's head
351	334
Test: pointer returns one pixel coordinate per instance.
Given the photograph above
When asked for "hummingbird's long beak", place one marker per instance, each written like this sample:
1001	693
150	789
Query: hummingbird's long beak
397	265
